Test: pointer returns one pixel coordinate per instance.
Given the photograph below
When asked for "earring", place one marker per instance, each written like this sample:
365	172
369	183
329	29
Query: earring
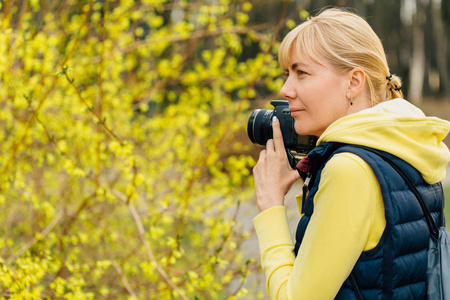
351	99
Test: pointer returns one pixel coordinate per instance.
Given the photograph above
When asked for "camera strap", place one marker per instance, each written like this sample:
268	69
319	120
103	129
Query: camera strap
305	190
291	159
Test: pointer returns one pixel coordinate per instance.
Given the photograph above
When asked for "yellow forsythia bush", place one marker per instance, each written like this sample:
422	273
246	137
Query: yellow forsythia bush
121	173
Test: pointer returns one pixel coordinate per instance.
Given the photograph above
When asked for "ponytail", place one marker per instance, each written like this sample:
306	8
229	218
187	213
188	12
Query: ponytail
393	87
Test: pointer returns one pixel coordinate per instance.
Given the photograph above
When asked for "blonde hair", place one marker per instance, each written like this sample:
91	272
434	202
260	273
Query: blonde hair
346	41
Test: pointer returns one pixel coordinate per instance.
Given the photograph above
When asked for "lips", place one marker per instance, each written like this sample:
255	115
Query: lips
296	111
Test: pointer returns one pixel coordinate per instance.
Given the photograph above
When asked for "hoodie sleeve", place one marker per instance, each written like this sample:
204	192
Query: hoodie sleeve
348	219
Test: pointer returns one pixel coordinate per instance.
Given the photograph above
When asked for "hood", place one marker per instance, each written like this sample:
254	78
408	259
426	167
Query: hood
398	127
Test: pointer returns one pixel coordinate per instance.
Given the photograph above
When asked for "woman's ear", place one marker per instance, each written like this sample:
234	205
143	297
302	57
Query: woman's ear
356	81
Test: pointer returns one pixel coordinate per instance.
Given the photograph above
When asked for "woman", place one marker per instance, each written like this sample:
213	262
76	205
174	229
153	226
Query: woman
358	218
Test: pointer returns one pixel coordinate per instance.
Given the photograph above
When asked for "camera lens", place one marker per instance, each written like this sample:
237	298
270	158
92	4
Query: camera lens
259	127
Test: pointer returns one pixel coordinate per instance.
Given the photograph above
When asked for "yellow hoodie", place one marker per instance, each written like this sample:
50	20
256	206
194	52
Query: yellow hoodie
348	213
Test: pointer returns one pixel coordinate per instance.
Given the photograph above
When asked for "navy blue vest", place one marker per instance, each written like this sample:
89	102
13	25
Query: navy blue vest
396	267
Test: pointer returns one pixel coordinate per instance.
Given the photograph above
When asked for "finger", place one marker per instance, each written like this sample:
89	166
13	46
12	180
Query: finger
295	174
277	135
260	163
262	155
270	146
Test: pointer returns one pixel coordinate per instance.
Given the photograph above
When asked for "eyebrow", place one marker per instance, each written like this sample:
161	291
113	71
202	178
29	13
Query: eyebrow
298	64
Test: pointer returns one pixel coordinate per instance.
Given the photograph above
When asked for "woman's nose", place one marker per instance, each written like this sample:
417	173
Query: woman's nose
288	91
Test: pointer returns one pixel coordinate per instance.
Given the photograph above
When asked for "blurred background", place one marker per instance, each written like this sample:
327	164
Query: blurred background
125	162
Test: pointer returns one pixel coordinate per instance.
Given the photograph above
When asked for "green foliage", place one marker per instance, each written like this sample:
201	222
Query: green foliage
447	206
121	175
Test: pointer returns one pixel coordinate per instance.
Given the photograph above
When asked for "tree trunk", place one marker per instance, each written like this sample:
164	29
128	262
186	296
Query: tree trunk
441	51
417	70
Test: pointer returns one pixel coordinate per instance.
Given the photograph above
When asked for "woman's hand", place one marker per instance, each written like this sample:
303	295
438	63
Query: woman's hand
273	174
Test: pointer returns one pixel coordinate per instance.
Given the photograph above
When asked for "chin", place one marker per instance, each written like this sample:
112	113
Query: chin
301	129
305	131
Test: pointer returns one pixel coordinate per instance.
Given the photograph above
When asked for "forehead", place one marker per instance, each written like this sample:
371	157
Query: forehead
301	54
298	58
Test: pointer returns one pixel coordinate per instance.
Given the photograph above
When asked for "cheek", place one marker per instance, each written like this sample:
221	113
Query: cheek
322	104
316	119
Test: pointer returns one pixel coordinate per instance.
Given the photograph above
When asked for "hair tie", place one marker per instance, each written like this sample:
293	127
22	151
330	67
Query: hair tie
394	86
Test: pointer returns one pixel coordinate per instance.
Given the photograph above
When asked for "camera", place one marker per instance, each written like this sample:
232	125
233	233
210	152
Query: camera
259	130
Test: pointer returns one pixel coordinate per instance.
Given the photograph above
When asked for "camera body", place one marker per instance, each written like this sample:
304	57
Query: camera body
259	130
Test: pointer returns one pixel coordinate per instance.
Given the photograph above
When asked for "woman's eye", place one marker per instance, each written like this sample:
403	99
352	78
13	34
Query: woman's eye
298	72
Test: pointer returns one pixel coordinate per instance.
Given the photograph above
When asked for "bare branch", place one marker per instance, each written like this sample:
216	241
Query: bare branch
124	280
194	35
42	234
150	255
